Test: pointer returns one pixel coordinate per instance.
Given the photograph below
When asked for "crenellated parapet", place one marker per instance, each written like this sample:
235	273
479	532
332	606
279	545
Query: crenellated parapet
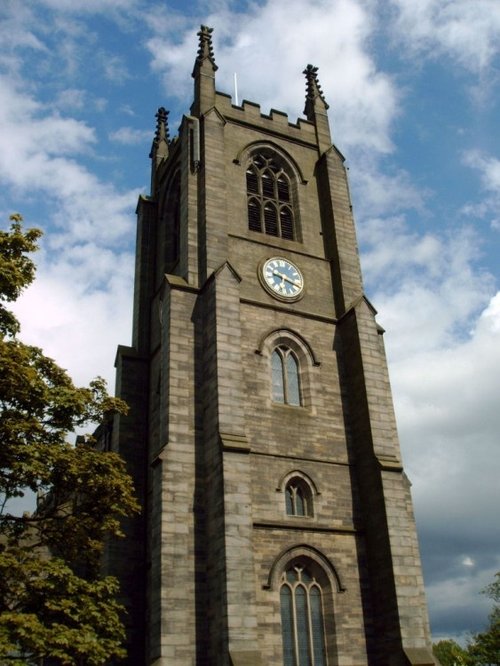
275	122
206	98
261	435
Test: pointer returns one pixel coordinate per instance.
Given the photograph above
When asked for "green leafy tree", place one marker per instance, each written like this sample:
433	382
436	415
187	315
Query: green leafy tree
55	606
449	653
484	649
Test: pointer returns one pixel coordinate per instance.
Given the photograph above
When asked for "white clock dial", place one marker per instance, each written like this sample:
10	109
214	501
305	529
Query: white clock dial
282	278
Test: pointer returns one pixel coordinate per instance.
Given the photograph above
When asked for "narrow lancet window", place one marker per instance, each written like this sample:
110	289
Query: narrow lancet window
285	376
298	498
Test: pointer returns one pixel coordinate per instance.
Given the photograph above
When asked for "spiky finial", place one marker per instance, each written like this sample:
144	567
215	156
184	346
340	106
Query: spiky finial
161	124
206	49
159	149
313	90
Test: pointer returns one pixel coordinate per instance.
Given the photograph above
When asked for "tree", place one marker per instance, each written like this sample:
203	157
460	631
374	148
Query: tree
450	653
54	603
484	649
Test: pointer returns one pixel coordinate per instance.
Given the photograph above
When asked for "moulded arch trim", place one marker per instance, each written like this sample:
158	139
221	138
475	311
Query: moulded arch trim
297	473
255	146
303	551
284	336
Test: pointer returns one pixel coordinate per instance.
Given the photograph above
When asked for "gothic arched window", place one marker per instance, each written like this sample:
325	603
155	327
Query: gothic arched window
285	376
269	197
302	618
298	498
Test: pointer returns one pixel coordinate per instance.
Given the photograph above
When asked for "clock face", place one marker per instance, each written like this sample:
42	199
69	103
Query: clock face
282	279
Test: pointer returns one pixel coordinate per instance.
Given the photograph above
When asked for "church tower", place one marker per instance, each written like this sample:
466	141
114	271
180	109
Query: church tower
277	524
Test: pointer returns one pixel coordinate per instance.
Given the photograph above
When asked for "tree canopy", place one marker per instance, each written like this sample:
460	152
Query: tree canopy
54	603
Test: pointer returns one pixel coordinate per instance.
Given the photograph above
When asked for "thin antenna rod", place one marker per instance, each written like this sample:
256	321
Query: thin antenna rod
236	89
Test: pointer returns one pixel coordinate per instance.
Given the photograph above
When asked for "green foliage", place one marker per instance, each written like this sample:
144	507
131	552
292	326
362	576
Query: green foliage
450	653
54	604
16	269
54	613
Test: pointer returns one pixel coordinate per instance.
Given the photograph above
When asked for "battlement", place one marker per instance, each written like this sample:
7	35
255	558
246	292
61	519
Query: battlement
249	113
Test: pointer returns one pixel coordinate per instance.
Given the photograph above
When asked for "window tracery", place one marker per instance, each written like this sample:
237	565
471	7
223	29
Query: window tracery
302	617
285	376
269	198
298	498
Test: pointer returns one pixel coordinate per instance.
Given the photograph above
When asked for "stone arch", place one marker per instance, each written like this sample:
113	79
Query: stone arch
322	564
292	166
323	576
272	193
307	360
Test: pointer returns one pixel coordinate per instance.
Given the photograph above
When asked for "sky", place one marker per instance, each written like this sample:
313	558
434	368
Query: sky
414	95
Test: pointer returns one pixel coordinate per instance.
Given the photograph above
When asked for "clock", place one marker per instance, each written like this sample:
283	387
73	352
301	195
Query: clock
282	279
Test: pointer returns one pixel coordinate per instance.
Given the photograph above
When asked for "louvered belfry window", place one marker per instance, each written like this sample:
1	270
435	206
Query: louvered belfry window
302	627
268	197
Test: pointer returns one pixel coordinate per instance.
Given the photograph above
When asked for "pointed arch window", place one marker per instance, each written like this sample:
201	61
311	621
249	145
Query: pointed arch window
302	618
269	197
285	376
298	498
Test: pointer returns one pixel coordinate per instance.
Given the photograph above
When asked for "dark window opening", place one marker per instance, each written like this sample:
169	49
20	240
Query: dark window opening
271	220
269	198
254	215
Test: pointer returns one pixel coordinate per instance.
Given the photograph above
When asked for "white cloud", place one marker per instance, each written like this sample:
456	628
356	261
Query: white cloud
41	156
88	6
439	308
71	99
131	136
489	168
78	309
426	287
280	41
115	68
377	192
73	320
469	32
443	342
78	100
15	34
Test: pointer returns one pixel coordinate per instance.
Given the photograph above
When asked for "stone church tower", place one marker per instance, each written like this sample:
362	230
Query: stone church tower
277	524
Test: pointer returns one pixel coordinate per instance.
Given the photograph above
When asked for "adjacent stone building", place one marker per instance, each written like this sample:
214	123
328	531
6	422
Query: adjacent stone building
277	524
